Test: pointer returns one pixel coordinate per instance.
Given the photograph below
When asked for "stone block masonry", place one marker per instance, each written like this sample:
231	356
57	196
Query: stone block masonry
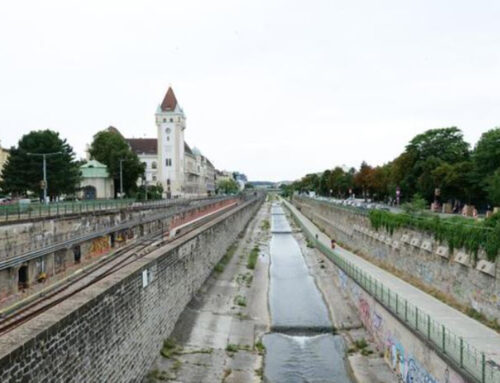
415	255
111	331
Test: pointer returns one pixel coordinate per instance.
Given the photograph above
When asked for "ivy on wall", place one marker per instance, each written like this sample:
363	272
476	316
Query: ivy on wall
457	232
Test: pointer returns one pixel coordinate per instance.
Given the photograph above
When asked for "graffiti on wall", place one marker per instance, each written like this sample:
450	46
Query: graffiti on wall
417	374
99	246
402	361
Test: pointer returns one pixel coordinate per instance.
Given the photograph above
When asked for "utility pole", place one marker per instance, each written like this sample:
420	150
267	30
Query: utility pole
44	182
121	178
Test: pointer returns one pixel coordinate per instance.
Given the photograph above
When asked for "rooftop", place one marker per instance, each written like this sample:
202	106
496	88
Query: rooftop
169	101
143	145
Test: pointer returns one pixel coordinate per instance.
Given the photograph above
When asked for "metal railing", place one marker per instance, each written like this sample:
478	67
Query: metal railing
465	356
20	211
9	251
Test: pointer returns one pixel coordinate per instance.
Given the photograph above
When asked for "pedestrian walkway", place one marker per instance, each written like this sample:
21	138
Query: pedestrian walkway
468	331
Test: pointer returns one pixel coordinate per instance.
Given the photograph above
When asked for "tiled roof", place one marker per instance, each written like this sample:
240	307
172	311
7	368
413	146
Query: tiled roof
187	149
169	102
143	145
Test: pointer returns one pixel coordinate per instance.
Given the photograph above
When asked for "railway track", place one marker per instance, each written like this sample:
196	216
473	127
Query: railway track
31	307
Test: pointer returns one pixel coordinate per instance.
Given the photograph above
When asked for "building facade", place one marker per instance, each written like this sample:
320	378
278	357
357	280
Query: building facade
169	160
96	182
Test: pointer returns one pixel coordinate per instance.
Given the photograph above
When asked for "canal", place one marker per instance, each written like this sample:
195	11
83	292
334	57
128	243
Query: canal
301	346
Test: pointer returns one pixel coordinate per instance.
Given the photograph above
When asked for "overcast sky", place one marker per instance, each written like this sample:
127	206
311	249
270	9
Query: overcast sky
274	89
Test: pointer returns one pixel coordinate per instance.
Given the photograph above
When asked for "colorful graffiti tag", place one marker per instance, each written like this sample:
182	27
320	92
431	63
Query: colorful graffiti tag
99	246
417	374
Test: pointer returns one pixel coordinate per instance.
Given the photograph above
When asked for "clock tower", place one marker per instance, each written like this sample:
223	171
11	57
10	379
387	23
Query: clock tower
170	122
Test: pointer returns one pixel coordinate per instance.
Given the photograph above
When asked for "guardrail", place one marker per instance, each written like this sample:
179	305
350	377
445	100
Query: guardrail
463	355
33	249
18	211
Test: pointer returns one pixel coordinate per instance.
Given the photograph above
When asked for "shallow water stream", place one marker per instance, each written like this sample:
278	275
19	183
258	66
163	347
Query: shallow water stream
301	347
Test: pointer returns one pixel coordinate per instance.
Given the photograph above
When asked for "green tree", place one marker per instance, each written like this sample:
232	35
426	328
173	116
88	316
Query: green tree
155	192
363	179
109	147
486	160
425	153
493	188
486	155
454	180
227	186
22	173
381	183
324	183
309	183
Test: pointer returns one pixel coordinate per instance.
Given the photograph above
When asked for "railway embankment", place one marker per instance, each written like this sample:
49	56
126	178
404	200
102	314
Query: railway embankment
112	330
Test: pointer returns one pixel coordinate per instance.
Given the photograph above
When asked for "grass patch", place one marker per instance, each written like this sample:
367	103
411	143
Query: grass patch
360	345
176	366
200	351
242	316
155	375
240	300
261	349
232	348
245	279
265	225
219	267
252	258
170	348
309	243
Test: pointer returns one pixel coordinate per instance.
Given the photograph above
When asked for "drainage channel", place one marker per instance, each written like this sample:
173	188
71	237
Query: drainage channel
301	346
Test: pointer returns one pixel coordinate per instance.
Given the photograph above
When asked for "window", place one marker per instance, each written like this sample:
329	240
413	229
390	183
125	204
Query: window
145	165
171	120
168	162
168	138
154	178
153	165
164	120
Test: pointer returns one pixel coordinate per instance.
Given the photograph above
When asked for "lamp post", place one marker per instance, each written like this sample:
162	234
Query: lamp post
121	178
44	182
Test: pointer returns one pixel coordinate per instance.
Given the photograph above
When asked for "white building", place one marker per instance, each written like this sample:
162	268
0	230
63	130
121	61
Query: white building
96	182
169	159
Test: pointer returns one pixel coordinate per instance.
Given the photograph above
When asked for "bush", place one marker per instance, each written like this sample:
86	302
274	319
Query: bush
457	232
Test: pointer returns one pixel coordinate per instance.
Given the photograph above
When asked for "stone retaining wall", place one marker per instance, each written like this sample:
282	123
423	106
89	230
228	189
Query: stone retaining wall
414	254
111	331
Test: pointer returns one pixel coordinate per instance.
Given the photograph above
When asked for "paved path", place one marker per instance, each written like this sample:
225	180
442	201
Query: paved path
476	334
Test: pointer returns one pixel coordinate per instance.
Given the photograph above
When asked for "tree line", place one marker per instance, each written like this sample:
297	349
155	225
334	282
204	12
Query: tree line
438	159
22	173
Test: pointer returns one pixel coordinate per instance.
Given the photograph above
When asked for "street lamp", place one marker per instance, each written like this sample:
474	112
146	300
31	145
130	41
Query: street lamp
121	177
44	183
